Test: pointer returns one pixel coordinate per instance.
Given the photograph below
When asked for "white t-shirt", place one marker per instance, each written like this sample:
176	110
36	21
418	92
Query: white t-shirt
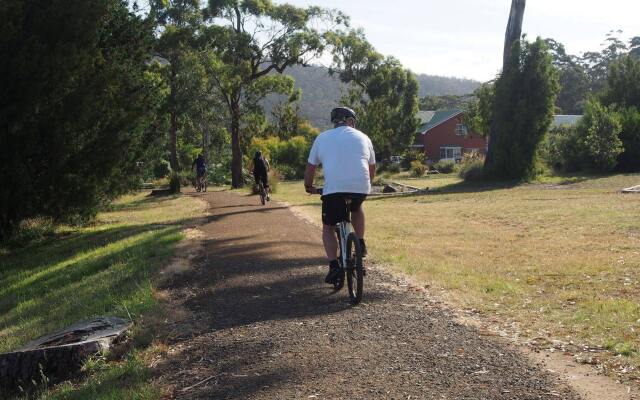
345	154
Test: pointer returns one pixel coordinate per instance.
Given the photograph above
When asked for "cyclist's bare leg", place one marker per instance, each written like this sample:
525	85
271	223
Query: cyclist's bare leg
357	220
330	241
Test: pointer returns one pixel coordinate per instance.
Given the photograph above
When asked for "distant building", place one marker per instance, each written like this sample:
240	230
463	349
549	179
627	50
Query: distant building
444	136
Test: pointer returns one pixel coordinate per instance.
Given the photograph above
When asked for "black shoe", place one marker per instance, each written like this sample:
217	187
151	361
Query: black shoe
334	273
363	246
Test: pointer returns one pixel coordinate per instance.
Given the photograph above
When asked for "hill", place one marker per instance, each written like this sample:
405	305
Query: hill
321	92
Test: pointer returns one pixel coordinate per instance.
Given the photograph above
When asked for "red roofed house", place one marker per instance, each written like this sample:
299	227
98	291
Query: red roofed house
444	136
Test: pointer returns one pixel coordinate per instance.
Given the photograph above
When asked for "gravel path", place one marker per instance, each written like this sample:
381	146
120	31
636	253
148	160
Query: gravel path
253	320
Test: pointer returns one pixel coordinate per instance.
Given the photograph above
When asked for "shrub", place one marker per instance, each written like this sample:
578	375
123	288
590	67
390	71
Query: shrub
288	172
288	156
161	169
393	168
412	155
599	131
471	167
445	166
629	160
417	168
175	183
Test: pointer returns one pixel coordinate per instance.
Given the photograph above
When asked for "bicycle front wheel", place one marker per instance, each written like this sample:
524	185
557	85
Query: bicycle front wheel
355	274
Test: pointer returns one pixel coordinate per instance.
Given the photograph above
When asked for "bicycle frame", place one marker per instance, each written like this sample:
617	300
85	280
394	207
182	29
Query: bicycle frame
343	229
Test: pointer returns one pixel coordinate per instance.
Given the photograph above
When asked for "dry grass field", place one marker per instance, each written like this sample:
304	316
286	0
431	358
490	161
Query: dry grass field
558	259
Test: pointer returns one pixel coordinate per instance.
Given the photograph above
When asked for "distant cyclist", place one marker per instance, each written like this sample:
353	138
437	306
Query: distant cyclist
201	168
260	169
349	165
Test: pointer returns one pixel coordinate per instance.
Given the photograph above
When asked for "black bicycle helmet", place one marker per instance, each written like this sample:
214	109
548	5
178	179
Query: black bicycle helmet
340	114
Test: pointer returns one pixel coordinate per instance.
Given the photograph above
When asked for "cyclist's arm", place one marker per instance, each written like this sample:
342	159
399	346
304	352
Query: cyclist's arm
266	164
372	172
309	174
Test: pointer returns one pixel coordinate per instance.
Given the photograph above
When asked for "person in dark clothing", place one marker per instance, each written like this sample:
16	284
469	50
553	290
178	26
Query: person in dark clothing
201	167
260	169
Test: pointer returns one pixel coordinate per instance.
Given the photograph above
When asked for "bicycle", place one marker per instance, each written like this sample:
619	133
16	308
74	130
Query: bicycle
201	183
349	257
262	191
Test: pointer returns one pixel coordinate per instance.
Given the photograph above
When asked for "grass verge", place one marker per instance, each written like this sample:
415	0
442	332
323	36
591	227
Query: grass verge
103	269
558	259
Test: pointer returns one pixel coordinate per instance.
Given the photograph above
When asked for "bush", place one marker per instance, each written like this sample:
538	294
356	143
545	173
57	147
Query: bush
288	172
445	166
161	169
393	168
629	160
471	167
417	168
412	155
175	183
288	156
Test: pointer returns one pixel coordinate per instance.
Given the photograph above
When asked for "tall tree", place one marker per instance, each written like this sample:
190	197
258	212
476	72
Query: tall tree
384	94
523	108
511	38
253	39
180	21
75	101
574	82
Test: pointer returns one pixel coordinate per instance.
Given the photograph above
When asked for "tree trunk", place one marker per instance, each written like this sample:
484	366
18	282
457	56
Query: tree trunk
512	34
236	152
173	139
514	29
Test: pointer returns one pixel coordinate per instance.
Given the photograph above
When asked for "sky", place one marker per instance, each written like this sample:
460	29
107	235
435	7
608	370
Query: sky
465	38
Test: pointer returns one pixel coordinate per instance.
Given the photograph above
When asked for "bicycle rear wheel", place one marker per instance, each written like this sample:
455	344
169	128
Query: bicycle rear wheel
261	190
355	274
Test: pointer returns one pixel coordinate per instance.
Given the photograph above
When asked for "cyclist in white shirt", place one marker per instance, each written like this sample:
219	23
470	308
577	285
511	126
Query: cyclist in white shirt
349	165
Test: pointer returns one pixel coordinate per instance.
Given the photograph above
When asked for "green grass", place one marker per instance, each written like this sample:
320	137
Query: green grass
103	269
560	257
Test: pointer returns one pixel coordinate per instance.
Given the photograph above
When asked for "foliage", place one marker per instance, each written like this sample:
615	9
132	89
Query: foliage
75	106
417	168
593	144
444	102
477	114
471	166
445	166
244	61
393	168
523	106
629	159
598	137
289	157
412	155
383	94
623	83
161	169
573	79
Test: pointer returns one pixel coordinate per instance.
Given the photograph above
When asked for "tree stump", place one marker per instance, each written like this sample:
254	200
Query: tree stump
58	356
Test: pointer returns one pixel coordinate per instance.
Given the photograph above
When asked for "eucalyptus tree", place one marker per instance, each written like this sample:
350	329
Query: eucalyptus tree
384	94
178	24
255	42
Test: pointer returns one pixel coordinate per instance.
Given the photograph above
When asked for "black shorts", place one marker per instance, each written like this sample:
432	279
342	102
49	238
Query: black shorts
334	209
261	177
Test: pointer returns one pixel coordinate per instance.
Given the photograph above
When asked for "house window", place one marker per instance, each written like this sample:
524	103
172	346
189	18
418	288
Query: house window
461	130
450	152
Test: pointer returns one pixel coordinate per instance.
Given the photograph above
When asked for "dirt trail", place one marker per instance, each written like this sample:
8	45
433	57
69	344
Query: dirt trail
253	320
